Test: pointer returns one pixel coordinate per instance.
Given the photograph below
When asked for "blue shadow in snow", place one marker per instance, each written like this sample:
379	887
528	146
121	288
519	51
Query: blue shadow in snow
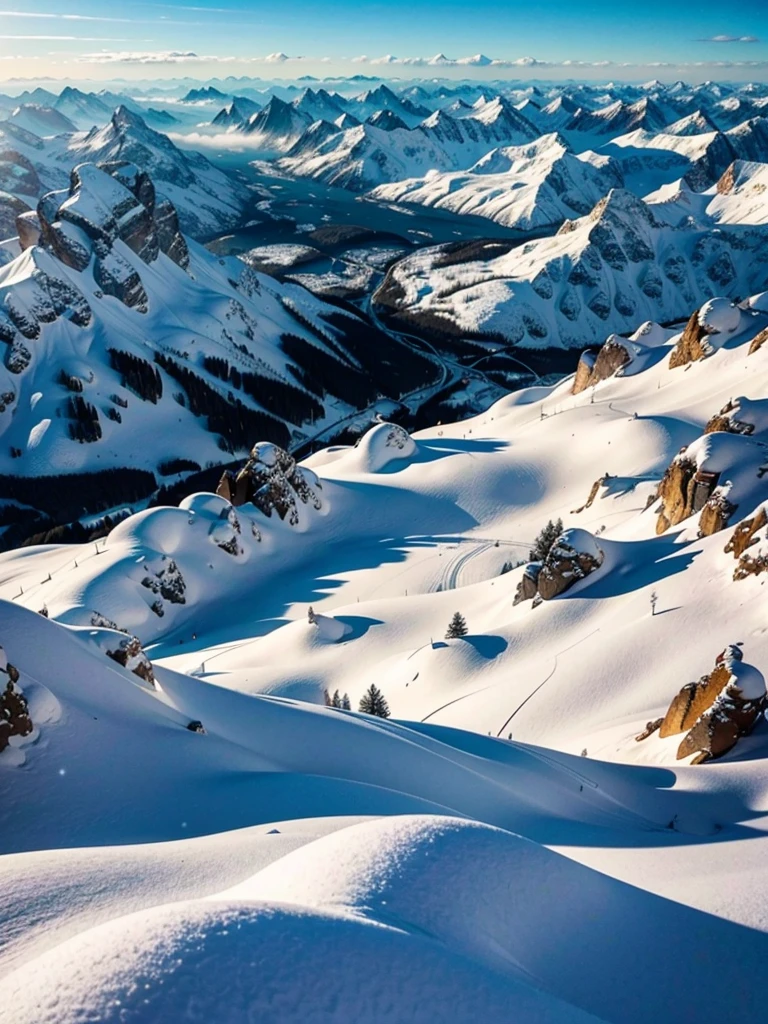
359	624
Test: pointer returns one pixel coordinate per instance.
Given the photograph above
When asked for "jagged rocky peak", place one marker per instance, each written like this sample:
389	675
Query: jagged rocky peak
272	482
105	203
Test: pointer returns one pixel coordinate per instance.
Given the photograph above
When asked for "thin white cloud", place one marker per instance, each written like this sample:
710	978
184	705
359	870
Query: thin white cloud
61	17
388	60
67	39
180	57
729	39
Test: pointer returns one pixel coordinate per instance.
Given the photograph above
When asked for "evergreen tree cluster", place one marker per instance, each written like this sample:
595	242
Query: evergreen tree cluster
457	627
239	425
84	423
276	396
373	702
395	368
337	701
170	467
545	540
55	500
137	374
328	374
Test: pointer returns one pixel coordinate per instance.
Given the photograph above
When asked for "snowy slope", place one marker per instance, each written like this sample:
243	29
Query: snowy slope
416	869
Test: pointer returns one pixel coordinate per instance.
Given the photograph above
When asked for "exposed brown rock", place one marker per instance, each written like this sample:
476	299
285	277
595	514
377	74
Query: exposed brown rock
28	229
584	370
676	493
130	654
692	344
727	181
649	730
611	357
715	514
716	711
14	710
758	341
592	494
722	422
744	534
564	566
527	588
692	701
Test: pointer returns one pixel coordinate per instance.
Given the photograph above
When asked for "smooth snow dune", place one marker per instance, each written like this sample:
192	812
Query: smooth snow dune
412	918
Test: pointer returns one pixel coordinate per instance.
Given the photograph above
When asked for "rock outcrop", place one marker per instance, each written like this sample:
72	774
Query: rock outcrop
14	710
692	344
727	420
745	533
528	587
718	316
129	653
272	482
104	205
715	711
574	555
592	369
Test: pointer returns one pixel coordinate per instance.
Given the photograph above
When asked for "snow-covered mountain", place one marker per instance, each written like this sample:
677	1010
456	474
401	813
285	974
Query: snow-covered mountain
278	125
384	149
526	187
237	114
206	198
126	345
41	120
525	840
627	260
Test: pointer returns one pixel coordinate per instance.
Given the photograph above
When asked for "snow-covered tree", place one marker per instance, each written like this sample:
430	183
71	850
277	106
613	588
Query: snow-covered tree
346	704
545	540
373	702
457	627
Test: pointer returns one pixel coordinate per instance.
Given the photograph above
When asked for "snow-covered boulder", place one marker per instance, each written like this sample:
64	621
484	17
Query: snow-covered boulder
720	316
383	445
740	416
609	360
718	709
696	480
574	555
273	482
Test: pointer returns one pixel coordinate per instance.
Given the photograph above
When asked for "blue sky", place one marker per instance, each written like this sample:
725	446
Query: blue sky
86	38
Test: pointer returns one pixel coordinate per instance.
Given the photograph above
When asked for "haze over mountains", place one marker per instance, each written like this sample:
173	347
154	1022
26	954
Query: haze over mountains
380	462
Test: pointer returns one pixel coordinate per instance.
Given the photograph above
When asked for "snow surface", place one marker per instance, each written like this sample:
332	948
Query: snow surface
426	867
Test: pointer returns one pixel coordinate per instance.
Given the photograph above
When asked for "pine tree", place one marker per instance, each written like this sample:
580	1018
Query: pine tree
457	627
345	703
373	702
545	541
336	699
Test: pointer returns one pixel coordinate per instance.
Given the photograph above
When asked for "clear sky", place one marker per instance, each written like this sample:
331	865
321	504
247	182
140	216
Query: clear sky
592	39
